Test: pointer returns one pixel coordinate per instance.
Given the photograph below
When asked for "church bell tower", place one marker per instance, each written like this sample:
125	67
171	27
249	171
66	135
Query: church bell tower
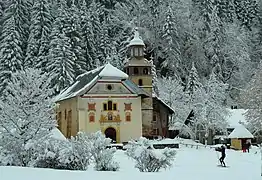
138	68
139	71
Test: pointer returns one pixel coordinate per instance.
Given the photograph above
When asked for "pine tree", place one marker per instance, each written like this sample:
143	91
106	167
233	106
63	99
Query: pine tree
61	60
73	31
13	39
193	82
40	29
171	47
26	115
214	42
226	10
205	8
1	9
247	12
214	111
11	53
155	79
252	98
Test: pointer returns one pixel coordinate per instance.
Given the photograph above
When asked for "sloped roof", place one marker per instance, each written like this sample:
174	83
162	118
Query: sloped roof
171	110
56	134
86	80
240	132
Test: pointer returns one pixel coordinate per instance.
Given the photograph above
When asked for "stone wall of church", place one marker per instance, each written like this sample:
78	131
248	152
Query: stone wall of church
67	117
125	119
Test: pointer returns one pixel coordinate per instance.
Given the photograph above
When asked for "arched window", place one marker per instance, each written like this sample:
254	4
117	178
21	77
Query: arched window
145	71
141	52
136	51
128	116
91	117
135	70
140	82
127	70
110	105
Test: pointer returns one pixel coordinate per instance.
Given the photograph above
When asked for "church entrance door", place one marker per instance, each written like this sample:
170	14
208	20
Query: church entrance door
111	133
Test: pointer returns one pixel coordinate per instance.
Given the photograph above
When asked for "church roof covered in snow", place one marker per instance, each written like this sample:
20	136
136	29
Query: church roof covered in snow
56	134
136	40
86	80
170	109
236	118
240	132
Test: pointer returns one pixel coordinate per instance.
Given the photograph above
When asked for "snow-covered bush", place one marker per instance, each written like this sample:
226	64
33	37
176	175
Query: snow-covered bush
26	116
48	155
147	158
102	156
71	154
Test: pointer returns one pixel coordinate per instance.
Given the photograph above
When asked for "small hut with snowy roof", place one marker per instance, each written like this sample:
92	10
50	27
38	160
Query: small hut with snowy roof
120	104
239	137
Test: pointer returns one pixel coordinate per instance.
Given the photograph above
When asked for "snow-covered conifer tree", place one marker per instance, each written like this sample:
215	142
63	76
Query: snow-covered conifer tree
26	115
252	98
61	60
13	40
214	110
39	32
154	74
196	95
147	159
247	12
1	8
171	46
226	10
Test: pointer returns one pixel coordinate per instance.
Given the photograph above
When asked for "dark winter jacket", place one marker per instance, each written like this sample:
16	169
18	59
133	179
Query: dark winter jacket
222	149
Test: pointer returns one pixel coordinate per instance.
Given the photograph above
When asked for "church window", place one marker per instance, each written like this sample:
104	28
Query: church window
110	105
59	123
132	52
128	116
140	82
114	107
154	118
69	123
105	106
136	51
135	70
141	52
91	117
145	71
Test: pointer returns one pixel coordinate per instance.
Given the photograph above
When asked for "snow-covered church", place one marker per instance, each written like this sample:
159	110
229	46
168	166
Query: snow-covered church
120	104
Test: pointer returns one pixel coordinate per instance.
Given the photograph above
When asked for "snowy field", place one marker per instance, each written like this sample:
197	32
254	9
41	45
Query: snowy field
190	164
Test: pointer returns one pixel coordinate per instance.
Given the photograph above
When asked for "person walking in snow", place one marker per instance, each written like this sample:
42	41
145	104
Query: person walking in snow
222	149
248	144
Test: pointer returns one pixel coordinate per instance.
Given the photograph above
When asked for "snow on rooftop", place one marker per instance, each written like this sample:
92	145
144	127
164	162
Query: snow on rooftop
136	40
56	134
111	71
236	117
240	132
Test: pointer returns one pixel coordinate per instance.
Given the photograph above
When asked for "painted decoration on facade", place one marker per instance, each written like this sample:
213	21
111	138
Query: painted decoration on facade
91	117
128	116
91	106
128	106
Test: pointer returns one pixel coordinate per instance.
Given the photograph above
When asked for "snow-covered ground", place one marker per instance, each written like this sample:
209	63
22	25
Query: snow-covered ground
190	164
